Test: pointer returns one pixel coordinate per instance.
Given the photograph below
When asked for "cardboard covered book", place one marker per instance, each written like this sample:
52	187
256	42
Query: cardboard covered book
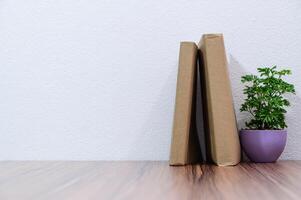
223	133
185	147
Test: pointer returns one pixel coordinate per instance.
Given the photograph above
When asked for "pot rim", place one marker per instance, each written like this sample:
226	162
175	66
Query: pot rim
264	131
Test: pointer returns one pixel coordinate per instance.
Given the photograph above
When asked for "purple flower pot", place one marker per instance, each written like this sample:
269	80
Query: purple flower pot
263	145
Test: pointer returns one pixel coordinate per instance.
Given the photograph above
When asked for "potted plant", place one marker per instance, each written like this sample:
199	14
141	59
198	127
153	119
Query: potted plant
264	138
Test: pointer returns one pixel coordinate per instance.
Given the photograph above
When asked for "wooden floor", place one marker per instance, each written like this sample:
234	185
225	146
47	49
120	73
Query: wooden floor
148	180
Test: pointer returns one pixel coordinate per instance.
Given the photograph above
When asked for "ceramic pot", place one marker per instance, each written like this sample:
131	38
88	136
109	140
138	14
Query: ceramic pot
263	145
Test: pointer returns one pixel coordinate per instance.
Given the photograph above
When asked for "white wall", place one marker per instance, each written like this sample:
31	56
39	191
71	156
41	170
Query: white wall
96	79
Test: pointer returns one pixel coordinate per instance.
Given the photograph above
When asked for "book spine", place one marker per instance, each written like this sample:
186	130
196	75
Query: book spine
224	140
180	145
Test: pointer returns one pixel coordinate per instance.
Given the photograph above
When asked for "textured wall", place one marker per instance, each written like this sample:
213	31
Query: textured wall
96	79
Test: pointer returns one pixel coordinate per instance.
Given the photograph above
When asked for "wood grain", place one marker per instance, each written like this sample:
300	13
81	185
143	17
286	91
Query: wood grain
147	180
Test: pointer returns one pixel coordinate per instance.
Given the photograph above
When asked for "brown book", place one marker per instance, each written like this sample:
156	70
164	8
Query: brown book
223	134
185	146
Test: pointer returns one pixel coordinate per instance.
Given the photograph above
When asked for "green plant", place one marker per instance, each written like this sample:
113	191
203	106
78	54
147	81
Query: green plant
265	98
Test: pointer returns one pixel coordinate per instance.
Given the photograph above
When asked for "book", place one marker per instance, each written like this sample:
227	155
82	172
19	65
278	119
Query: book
185	148
223	134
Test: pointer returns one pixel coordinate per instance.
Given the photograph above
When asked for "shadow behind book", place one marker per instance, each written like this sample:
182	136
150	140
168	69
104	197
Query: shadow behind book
201	117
